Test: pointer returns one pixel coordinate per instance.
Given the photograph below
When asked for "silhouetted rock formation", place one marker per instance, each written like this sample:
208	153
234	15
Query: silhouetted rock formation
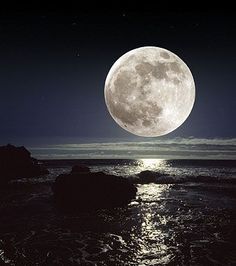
17	162
85	191
80	168
148	176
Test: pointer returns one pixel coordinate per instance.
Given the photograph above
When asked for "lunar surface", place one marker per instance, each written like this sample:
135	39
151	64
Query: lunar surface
149	91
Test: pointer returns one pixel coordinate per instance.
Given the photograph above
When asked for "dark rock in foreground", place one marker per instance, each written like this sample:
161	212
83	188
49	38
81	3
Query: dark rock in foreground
17	162
87	191
80	168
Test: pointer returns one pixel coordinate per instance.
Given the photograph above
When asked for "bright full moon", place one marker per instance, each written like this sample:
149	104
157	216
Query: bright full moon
149	91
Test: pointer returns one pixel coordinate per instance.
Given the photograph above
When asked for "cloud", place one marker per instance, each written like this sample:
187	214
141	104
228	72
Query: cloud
175	148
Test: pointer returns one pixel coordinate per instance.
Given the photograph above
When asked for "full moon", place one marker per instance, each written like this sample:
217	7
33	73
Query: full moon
149	91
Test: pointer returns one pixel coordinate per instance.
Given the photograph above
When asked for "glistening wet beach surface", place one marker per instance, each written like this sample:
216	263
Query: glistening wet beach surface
188	223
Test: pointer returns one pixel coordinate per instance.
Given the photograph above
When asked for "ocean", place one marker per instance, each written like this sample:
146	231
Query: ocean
185	216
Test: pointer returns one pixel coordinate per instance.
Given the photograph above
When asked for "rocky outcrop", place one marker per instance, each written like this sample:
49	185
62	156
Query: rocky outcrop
147	176
80	168
87	191
17	162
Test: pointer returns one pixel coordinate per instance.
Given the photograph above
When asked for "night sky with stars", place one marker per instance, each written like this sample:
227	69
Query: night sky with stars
53	67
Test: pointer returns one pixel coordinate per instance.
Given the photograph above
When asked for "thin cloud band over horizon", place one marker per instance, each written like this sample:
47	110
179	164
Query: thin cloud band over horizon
176	148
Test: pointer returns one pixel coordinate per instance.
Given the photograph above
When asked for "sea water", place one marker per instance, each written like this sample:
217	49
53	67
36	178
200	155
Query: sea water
188	220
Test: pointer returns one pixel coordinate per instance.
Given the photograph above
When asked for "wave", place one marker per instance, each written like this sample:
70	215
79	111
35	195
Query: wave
146	177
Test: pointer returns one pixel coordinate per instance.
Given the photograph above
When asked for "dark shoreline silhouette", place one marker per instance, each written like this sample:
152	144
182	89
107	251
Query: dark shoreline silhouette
16	162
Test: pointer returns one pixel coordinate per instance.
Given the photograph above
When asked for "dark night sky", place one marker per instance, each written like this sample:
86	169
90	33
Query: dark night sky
53	67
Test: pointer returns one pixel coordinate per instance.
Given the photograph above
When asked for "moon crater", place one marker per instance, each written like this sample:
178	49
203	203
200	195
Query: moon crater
149	91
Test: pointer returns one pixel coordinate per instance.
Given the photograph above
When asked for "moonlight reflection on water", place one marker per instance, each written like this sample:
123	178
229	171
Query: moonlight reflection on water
134	167
152	164
184	223
152	242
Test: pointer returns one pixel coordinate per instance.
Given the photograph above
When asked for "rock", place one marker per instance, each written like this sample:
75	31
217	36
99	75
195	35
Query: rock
87	191
80	168
17	162
148	176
